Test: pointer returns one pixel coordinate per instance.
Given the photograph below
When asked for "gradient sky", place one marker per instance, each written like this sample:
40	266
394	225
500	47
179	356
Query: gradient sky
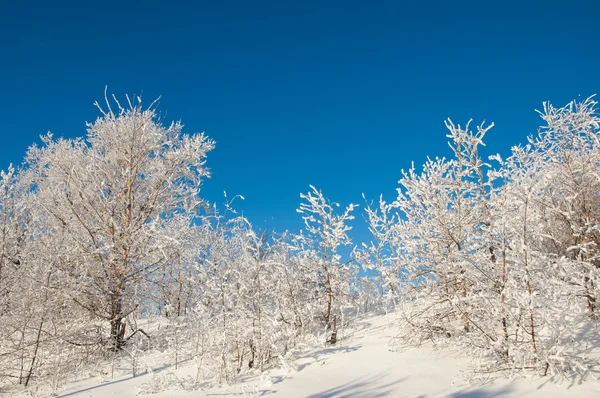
341	95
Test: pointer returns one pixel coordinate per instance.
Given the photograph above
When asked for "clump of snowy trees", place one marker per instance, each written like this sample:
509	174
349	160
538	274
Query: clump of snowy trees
111	261
501	256
109	258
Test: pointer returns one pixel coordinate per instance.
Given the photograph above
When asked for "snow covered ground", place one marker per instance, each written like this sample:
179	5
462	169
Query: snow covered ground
362	364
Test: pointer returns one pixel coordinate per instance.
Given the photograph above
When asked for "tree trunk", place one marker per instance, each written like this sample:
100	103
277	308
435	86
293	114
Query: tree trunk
329	302
37	346
503	307
117	326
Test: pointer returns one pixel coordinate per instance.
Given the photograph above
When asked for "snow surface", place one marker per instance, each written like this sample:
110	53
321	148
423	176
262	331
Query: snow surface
362	364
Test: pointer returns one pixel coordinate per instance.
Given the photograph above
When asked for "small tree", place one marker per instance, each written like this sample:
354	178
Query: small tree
326	232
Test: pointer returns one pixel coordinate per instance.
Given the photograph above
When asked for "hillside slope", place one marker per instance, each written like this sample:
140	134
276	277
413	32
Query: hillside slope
362	364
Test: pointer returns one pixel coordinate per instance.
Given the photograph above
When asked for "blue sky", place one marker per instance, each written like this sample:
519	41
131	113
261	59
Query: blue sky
341	95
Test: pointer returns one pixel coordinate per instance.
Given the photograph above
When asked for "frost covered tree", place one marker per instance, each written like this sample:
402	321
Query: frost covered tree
326	231
569	146
445	212
13	227
14	303
551	229
116	193
382	254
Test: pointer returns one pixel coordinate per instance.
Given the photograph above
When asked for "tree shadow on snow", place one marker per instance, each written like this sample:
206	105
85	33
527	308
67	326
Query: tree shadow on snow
323	354
482	393
94	387
371	387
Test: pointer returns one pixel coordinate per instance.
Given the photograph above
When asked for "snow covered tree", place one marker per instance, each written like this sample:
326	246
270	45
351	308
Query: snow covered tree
326	231
14	220
116	192
381	256
445	209
550	226
569	146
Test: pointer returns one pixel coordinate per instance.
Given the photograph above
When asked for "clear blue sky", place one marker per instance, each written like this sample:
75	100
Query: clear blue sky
341	95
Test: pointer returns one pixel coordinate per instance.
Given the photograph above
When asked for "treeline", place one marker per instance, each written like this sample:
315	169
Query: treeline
110	259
